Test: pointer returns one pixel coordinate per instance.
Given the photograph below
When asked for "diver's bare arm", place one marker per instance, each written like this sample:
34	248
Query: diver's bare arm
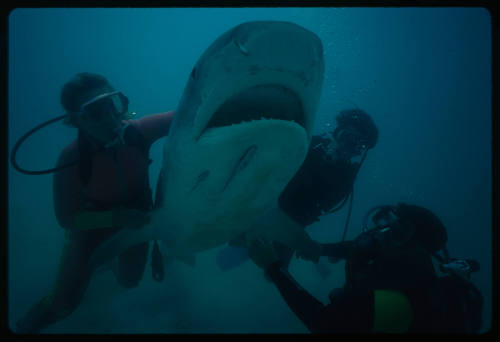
155	126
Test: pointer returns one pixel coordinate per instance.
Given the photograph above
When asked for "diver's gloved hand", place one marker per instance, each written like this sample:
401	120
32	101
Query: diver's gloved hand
461	267
309	250
262	253
130	218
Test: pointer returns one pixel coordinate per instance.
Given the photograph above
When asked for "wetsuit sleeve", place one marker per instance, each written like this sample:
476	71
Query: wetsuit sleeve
155	126
348	312
340	250
307	308
67	190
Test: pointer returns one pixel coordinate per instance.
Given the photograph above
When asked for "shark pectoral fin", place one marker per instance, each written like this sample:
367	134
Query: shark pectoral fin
117	244
280	227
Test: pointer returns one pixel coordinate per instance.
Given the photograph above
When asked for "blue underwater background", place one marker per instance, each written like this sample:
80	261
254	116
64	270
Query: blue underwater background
423	74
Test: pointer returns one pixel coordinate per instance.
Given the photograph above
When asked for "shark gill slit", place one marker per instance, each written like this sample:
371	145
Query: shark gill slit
201	177
242	163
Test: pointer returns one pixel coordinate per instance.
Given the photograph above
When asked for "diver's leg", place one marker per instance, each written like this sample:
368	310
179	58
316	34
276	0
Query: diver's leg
131	265
71	282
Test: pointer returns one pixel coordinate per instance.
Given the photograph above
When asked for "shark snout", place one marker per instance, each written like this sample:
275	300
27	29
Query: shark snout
257	70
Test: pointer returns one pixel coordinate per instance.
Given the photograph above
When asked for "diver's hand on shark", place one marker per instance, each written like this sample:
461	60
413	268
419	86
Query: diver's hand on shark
309	250
131	218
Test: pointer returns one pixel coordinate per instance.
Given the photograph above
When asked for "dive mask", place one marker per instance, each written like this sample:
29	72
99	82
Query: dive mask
113	103
388	232
350	139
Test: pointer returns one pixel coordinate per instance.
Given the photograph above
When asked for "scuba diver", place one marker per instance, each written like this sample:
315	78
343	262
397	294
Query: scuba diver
324	182
101	185
399	279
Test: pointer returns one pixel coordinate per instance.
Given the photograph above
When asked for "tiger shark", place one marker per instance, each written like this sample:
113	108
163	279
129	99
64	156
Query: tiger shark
241	131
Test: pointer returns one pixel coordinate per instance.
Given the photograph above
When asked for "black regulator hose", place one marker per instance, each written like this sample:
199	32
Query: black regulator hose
350	196
23	138
348	216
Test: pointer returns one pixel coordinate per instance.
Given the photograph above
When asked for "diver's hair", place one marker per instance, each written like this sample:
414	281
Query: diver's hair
361	121
430	232
71	93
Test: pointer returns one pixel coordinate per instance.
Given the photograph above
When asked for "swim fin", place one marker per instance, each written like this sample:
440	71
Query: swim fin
230	257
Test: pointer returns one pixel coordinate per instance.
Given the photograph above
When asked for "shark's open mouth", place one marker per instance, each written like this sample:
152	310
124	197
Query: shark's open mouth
269	101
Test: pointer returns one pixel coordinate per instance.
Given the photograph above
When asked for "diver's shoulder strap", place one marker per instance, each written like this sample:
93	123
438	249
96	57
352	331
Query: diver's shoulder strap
132	137
85	159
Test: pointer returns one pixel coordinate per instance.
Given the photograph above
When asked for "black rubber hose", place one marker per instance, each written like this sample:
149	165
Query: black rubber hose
351	195
348	217
23	138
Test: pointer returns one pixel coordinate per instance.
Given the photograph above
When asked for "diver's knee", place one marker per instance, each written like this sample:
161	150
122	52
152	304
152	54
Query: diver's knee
43	314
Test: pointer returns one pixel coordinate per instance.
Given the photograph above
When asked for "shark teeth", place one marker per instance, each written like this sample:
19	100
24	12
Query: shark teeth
266	101
258	120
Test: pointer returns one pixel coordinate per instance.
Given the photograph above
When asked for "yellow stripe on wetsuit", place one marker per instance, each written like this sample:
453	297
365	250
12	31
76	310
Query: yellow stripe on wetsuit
393	312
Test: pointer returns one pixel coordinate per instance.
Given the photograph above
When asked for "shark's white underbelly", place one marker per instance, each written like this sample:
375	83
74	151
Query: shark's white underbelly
210	199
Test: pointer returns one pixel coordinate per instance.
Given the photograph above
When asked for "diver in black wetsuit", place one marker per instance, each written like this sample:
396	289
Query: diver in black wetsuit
326	178
324	182
392	284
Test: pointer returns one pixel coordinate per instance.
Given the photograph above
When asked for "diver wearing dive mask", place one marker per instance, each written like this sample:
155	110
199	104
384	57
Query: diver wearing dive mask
100	186
323	184
101	117
93	116
391	284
